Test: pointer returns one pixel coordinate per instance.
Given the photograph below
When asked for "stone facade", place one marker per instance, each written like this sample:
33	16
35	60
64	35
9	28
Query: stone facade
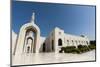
30	41
58	38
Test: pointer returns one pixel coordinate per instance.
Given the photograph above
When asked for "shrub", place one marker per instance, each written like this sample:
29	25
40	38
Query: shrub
92	46
62	49
80	46
70	49
78	50
83	48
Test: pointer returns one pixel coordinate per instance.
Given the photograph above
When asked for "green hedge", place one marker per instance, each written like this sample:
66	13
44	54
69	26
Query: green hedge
69	49
83	48
92	46
78	50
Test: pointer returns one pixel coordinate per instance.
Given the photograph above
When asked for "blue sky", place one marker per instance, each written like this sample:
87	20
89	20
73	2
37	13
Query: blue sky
73	19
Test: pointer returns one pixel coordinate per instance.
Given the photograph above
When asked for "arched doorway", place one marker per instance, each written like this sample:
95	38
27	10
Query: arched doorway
52	45
28	49
29	42
59	42
22	37
44	47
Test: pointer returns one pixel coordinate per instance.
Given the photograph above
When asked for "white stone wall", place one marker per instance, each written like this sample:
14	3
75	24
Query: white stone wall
67	40
76	40
14	38
42	40
54	36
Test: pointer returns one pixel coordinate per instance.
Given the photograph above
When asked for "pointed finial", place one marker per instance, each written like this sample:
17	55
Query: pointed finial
33	17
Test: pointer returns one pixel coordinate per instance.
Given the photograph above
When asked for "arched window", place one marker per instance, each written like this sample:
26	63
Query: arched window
73	42
76	41
79	41
87	42
28	49
59	32
67	42
29	40
59	42
84	42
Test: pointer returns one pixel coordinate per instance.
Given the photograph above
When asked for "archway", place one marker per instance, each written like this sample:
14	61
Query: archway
59	42
30	40
22	38
28	45
44	47
22	35
28	49
52	45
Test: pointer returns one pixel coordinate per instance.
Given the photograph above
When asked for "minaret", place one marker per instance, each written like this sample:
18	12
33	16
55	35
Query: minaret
33	17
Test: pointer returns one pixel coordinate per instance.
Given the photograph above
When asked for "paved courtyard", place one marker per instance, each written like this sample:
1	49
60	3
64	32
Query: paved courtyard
43	58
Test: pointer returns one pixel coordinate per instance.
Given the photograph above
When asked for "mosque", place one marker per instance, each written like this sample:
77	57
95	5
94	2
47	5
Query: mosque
30	41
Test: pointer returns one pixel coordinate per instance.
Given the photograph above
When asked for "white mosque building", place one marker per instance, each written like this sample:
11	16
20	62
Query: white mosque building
30	41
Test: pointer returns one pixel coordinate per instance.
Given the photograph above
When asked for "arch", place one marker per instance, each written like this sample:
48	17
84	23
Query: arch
72	42
28	45
29	38
29	35
67	42
35	31
87	42
52	45
59	42
21	38
28	49
44	47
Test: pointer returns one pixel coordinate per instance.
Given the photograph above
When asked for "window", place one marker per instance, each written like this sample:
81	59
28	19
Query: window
86	42
52	45
72	42
76	42
59	32
29	40
67	42
28	48
59	42
79	41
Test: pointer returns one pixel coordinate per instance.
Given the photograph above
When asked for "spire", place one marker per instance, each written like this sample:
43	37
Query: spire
33	17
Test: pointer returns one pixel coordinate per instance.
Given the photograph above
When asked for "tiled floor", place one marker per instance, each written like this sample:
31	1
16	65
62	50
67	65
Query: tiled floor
43	58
